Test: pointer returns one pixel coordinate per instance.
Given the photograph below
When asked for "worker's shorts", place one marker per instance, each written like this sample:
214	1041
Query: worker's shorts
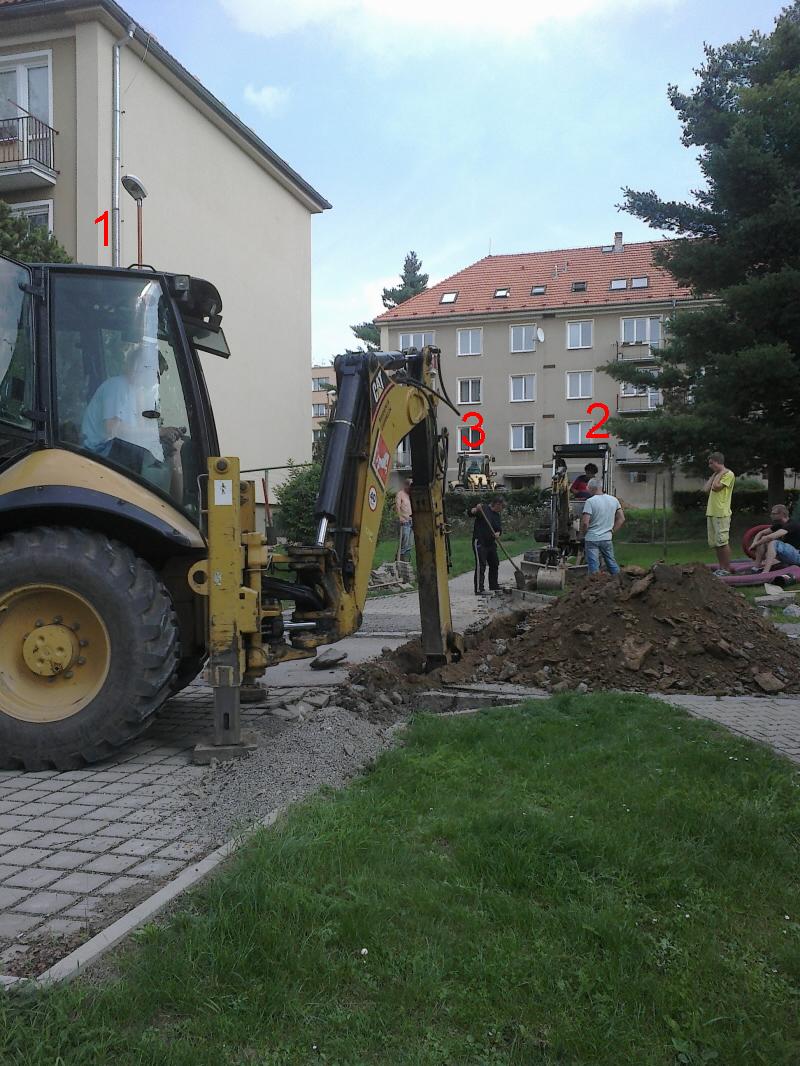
718	531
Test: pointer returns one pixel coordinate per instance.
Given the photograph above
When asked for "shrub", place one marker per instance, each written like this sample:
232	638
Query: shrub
296	497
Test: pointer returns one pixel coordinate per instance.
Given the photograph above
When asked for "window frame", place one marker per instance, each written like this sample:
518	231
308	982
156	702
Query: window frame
453	293
538	290
524	399
579	422
579	286
582	396
468	403
645	278
618	285
24	60
315	414
523	326
580	322
469	329
523	426
502	293
462	448
416	333
21	208
648	319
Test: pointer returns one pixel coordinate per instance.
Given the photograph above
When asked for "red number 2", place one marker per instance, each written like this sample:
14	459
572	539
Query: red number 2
477	426
104	219
590	433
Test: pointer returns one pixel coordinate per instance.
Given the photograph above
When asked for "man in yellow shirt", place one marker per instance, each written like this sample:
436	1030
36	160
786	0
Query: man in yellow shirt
718	511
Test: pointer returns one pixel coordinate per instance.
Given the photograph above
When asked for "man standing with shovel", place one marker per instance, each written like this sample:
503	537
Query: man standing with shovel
485	534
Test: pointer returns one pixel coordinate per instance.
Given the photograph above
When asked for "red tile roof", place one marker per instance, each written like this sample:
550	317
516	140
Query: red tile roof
557	270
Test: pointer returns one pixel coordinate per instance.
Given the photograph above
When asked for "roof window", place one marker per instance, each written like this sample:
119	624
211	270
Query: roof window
449	297
607	248
640	283
502	294
579	286
619	283
538	290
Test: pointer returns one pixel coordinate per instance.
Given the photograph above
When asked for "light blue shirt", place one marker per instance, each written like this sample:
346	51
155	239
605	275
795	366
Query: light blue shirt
601	510
118	398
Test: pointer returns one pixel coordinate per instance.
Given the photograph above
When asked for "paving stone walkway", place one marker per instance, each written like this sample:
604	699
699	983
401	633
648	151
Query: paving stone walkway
774	721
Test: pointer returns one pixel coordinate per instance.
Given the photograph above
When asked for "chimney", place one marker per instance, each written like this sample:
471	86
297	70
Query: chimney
618	245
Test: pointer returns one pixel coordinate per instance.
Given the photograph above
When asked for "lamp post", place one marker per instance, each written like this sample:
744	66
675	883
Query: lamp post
136	189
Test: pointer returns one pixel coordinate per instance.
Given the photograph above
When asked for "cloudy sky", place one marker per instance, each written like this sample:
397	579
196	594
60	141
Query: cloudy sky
451	127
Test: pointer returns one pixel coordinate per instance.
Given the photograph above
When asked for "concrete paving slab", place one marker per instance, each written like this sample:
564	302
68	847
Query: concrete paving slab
45	903
83	882
30	879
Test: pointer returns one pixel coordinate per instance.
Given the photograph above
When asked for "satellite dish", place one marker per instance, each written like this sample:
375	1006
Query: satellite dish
539	334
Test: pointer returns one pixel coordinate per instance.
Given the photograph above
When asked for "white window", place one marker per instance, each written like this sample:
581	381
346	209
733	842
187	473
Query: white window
319	384
414	340
579	286
523	338
469	341
618	283
579	385
579	334
502	294
318	435
469	390
319	410
626	389
641	331
449	297
538	290
639	283
39	213
473	436
523	437
25	88
522	387
654	398
576	432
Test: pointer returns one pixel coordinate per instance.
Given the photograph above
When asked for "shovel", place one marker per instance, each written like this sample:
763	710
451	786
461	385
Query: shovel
519	577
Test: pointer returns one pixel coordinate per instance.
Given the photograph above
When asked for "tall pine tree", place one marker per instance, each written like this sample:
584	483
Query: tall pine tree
412	282
730	373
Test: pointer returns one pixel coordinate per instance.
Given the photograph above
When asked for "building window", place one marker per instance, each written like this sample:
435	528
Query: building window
576	432
39	213
637	477
523	338
502	294
473	436
642	331
654	398
523	437
618	283
319	410
579	385
579	334
627	389
469	341
639	283
25	87
319	384
579	286
469	390
415	340
538	290
318	435
449	297
522	387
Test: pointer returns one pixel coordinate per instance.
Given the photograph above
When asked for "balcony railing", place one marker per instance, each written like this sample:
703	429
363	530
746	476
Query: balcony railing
639	403
27	145
624	454
631	351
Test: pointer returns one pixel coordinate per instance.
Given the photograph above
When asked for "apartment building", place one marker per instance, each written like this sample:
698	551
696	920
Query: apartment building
323	379
220	205
523	340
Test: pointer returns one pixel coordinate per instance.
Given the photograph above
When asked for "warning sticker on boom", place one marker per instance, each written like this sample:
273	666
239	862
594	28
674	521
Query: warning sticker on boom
381	461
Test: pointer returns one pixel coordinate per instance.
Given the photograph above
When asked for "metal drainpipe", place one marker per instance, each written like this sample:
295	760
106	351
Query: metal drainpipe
115	147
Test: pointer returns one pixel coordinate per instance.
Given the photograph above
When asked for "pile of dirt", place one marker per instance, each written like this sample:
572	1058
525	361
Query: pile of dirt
672	628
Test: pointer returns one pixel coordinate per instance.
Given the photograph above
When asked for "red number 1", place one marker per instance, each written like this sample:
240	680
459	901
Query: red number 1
477	426
104	219
590	433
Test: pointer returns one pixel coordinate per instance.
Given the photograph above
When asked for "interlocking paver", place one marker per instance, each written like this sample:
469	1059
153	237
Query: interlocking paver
7	871
15	837
156	868
48	824
97	845
122	884
32	810
161	832
58	841
112	864
184	850
137	847
12	924
83	826
10	896
61	927
68	859
115	830
32	878
71	810
81	882
26	856
22	795
84	908
6	807
45	903
107	814
11	821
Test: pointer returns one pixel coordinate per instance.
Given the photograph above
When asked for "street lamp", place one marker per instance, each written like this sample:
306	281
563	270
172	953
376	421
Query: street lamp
136	189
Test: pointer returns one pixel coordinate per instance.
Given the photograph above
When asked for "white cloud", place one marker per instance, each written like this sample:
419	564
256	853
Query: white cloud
376	20
268	99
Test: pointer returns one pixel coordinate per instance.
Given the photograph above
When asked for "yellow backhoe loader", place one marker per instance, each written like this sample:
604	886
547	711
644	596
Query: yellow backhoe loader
129	554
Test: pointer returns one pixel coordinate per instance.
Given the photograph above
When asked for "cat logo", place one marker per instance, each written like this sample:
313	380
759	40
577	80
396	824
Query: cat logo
378	388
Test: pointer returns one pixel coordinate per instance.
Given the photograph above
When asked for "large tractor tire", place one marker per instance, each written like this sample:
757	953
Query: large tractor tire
88	647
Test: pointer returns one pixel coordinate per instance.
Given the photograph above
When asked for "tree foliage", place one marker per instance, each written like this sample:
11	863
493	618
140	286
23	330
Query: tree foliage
297	497
412	282
25	243
731	370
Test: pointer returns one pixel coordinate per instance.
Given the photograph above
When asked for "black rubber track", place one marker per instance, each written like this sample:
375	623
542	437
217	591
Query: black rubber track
142	625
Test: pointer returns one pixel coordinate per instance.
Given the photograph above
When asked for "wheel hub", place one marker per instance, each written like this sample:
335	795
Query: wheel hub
50	650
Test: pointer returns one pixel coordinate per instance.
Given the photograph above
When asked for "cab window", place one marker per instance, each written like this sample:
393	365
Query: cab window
16	359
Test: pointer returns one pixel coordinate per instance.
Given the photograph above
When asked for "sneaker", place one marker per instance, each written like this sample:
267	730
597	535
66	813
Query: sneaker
722	573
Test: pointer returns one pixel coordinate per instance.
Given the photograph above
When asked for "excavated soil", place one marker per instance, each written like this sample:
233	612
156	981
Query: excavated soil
672	628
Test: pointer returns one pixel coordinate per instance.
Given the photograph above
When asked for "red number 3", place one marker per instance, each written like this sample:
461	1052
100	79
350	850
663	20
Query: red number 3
478	426
590	433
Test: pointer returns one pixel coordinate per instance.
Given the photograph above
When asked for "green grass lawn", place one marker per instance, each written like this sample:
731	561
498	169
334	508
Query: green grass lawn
585	881
460	549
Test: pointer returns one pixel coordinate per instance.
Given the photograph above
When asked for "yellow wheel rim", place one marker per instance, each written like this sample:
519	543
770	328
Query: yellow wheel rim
55	653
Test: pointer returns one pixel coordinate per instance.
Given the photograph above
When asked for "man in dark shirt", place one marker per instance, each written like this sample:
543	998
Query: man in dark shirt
580	486
488	527
781	543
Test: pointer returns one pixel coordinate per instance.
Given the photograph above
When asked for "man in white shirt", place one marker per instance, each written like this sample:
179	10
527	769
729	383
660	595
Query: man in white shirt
602	517
402	503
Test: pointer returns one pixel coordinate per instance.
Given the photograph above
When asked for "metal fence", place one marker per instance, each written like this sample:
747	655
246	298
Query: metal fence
27	140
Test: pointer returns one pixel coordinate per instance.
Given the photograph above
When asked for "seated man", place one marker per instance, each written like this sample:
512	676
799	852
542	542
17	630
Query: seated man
580	486
780	543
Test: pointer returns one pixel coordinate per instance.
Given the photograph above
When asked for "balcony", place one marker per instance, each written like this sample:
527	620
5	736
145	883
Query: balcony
27	154
637	351
624	455
639	404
